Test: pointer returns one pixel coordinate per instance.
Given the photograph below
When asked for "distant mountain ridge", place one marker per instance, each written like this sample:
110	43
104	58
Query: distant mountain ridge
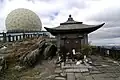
110	47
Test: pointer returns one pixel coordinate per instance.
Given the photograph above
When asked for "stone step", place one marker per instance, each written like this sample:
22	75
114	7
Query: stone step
52	76
76	70
60	78
95	72
74	66
58	71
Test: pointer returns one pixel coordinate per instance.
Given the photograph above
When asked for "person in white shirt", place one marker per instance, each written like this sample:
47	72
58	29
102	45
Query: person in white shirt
73	54
73	50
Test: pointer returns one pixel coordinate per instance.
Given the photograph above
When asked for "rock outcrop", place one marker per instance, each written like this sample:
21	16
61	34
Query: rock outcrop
30	52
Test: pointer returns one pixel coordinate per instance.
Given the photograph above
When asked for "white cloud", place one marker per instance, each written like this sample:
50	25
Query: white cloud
104	42
53	12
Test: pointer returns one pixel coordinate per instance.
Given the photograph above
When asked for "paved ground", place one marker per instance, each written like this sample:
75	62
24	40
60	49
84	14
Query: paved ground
101	69
104	69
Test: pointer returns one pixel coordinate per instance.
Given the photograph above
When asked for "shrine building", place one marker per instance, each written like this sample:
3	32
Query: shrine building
72	34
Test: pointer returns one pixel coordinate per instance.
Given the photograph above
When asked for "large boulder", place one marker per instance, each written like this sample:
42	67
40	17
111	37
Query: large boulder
33	56
50	51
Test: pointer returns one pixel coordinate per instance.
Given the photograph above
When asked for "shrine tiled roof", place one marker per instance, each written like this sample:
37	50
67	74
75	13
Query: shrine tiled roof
76	26
71	25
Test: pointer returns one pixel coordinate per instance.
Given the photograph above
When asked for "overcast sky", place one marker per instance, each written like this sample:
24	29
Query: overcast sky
53	12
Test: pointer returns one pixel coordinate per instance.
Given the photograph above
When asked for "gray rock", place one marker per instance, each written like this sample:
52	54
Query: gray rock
3	63
1	68
31	58
19	68
3	50
63	74
49	51
52	76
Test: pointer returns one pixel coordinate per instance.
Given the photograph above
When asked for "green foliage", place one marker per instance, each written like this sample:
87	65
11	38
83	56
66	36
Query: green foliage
86	50
94	50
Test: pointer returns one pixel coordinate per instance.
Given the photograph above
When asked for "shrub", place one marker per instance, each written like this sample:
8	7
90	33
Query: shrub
86	50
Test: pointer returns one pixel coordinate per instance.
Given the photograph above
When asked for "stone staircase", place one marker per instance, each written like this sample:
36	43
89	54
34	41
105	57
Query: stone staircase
71	71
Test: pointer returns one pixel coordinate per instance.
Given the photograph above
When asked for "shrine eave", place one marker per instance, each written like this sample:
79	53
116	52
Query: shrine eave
58	30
